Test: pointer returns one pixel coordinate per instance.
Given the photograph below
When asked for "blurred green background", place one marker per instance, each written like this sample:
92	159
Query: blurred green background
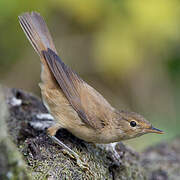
129	50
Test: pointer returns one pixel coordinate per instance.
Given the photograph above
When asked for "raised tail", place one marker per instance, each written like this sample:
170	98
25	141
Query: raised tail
36	31
38	34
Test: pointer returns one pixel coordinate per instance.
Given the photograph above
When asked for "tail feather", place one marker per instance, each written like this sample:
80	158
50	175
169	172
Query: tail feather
37	32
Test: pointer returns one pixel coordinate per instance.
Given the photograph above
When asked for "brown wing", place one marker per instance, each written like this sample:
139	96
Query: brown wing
92	108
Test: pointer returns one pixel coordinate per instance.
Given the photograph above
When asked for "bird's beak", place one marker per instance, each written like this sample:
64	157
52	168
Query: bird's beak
154	130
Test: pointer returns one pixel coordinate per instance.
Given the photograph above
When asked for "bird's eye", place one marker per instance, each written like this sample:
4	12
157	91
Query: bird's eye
132	123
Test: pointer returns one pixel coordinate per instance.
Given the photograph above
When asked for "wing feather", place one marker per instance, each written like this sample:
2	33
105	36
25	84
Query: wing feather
90	105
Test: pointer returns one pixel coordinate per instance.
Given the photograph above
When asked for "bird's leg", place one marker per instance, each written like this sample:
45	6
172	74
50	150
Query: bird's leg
110	149
51	133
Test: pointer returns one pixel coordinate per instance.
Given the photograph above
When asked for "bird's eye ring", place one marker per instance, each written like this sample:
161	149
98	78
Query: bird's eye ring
133	123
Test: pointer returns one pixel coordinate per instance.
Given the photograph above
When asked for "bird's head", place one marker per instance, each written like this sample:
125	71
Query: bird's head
130	125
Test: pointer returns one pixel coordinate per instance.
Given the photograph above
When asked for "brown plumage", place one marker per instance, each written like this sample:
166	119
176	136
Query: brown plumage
74	104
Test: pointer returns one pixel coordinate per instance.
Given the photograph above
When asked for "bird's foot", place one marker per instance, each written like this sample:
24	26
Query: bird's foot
83	165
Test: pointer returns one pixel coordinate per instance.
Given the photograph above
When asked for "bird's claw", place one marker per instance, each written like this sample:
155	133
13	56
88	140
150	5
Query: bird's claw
83	165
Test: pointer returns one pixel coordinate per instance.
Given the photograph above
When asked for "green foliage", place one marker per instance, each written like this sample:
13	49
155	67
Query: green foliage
129	31
11	45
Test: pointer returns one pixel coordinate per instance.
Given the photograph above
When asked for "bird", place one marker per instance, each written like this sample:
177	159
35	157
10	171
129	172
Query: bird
74	104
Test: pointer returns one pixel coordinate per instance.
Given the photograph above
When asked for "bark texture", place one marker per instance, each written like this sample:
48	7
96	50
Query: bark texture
26	152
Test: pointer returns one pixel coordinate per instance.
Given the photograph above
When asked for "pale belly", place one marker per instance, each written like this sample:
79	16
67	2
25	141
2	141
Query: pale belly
66	117
64	114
